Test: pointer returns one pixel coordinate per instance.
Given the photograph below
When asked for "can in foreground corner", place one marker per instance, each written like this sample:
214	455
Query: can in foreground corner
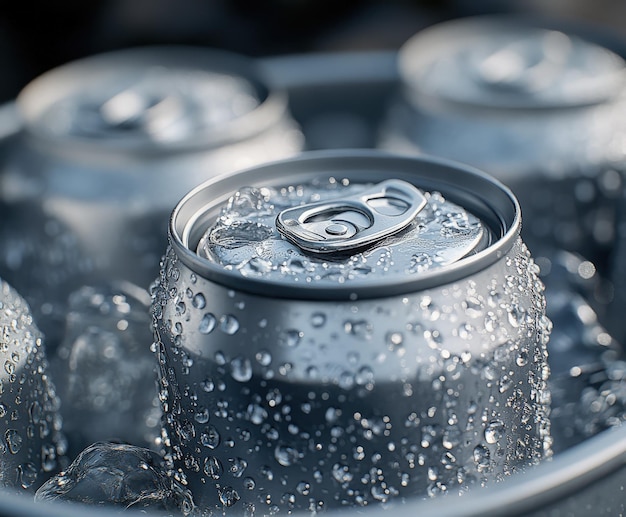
32	446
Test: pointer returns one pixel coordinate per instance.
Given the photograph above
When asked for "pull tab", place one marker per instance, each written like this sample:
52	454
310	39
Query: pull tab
134	108
354	222
527	64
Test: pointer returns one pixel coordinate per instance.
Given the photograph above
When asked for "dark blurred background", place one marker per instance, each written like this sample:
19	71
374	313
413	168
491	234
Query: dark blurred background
37	35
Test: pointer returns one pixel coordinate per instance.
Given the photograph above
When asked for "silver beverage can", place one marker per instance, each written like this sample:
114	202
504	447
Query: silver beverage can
540	109
32	446
110	144
346	328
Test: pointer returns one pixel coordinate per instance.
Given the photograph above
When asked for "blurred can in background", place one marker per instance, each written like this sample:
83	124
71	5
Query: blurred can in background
110	144
346	328
32	446
540	109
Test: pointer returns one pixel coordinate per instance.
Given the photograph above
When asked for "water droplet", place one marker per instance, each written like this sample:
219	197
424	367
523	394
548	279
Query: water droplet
522	358
14	440
229	324
395	341
290	338
420	262
342	473
473	307
237	466
202	416
241	369
380	493
332	415
318	319
27	474
365	377
274	397
256	414
213	467
228	496
266	472
249	483
360	328
303	488
346	380
208	323
263	357
286	455
199	301
208	385
451	437
494	431
210	437
482	457
48	458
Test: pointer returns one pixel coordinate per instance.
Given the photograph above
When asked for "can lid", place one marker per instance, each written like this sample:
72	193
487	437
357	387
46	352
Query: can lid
155	104
153	97
501	63
341	228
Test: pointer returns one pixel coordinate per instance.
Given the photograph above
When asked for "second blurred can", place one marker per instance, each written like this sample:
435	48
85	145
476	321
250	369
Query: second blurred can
540	109
348	328
111	142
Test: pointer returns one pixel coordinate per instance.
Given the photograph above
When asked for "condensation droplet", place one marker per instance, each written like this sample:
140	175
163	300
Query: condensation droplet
207	323
199	301
318	319
14	440
290	338
494	431
229	324
241	369
213	467
286	455
210	437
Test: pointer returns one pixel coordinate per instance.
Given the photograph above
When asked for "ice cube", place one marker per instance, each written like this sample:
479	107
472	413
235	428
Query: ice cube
109	387
588	387
120	475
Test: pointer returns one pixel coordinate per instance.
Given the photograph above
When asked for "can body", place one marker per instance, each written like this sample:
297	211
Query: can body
32	447
539	109
282	399
110	145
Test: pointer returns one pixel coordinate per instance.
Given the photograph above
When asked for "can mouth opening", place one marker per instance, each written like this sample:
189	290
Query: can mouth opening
475	191
88	75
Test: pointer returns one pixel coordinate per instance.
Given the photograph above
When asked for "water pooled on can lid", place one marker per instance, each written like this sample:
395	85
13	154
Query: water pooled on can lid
154	104
340	231
515	67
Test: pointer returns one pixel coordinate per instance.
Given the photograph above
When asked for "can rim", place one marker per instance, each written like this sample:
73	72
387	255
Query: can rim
482	195
60	82
426	45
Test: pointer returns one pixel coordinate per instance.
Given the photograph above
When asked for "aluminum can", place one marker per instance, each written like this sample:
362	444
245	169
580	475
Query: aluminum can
32	447
540	109
110	144
391	345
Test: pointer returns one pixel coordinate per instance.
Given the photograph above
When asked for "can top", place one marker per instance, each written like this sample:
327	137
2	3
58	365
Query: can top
498	62
333	225
151	98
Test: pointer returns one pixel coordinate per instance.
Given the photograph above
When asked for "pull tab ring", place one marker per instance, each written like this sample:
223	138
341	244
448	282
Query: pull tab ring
358	221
